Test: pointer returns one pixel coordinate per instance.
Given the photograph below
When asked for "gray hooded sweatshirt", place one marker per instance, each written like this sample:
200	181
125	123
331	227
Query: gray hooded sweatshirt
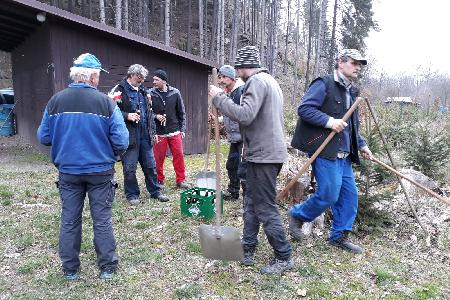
260	116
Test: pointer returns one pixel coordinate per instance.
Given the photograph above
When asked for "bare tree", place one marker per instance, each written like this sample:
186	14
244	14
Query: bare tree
296	55
234	31
287	35
200	27
119	14
262	29
310	34
101	4
125	15
332	53
321	36
167	23
215	25
221	51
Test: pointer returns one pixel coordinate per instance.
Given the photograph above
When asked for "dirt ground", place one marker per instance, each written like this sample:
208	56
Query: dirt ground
160	255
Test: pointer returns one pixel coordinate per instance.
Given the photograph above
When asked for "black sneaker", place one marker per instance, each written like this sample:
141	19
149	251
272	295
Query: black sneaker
277	267
161	198
344	243
183	185
227	196
295	228
107	274
71	275
248	258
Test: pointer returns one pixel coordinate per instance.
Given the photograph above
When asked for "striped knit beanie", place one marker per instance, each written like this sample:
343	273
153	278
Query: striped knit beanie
247	57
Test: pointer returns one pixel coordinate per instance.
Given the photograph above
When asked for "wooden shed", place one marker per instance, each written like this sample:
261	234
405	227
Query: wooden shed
44	40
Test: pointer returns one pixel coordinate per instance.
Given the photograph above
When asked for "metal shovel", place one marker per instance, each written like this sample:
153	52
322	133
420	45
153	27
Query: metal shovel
220	242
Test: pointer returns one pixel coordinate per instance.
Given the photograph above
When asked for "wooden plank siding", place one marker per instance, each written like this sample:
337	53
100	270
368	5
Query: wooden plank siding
116	55
43	54
32	82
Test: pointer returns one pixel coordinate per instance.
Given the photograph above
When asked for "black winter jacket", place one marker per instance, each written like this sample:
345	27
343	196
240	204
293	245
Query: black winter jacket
172	107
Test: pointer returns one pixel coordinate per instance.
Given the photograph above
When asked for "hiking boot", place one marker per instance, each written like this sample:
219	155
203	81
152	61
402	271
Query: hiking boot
107	274
161	185
183	185
161	198
227	196
248	258
71	275
344	243
277	267
134	201
295	228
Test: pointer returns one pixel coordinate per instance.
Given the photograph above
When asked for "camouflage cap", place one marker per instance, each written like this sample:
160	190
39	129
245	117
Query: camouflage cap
353	53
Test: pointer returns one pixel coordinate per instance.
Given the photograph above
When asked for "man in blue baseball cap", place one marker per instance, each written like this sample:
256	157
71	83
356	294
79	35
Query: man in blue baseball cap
86	132
87	60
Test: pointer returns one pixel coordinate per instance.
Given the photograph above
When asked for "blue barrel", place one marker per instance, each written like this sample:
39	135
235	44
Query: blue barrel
6	120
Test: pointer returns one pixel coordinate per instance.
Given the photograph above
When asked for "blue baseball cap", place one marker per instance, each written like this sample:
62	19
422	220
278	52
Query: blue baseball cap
87	60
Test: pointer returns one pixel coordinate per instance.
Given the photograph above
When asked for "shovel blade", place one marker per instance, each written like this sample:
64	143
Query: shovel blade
221	242
206	179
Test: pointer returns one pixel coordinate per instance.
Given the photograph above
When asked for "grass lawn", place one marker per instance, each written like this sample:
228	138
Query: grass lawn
160	255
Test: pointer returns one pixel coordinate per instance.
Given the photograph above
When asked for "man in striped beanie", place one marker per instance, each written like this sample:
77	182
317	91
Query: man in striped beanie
260	116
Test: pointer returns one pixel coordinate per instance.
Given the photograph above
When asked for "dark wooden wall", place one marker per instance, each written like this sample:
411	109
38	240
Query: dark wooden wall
48	56
32	82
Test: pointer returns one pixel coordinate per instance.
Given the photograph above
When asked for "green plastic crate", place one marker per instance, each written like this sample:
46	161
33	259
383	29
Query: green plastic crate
199	203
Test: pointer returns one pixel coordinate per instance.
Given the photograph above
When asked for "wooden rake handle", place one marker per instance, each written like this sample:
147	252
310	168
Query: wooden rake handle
283	193
445	200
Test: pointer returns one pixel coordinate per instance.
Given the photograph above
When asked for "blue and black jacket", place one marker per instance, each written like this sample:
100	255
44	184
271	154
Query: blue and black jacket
325	98
85	129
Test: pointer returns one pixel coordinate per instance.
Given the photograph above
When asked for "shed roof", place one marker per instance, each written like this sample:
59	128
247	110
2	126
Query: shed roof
18	20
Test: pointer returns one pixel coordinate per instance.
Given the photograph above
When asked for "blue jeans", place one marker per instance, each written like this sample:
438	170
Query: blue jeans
101	191
336	188
142	152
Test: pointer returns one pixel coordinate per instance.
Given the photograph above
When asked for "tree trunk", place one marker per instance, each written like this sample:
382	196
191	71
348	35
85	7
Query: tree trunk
262	30
145	18
161	20
234	31
125	15
119	14
321	36
189	39
222	33
85	8
101	4
297	32
332	53
287	35
200	27
140	17
167	23
215	22
310	32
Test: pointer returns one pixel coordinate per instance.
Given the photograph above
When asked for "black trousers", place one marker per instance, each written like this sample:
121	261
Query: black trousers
234	158
101	191
260	208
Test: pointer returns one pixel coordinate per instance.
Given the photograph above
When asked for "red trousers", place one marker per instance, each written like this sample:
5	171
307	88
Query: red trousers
176	148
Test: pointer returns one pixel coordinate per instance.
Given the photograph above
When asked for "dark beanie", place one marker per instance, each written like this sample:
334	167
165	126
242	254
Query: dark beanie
160	74
247	57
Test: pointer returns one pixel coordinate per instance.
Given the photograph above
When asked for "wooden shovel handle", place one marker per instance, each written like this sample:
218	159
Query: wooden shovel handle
218	203
305	167
445	200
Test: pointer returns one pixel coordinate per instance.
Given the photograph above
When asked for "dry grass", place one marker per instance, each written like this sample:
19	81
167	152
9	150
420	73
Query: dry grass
160	252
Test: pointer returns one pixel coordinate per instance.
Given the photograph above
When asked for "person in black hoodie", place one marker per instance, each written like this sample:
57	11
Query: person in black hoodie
170	118
132	99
